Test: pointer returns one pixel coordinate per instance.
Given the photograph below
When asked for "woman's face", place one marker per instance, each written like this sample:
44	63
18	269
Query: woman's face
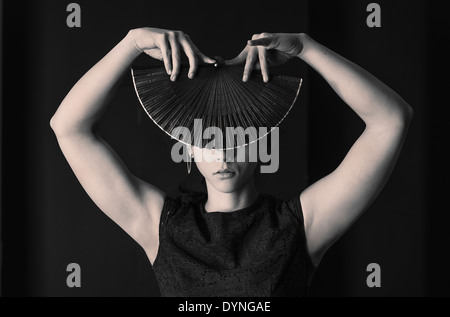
221	172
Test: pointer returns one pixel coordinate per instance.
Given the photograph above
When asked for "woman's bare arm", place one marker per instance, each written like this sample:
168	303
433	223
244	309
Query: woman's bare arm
332	204
132	203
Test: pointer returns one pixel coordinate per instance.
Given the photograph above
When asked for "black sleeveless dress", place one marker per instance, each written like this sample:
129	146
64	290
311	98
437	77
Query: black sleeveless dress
256	251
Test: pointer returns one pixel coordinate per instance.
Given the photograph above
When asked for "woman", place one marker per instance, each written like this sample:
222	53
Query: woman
234	241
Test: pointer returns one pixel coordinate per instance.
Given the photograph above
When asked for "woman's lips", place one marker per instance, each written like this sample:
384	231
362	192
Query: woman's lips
224	174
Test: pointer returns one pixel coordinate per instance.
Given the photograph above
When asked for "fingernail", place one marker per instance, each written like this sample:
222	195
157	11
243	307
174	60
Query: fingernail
169	72
191	75
245	78
172	78
265	79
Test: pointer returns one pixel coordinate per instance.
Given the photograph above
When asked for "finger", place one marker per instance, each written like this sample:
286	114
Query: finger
202	57
235	61
189	51
238	60
263	63
268	42
165	54
249	64
206	59
176	64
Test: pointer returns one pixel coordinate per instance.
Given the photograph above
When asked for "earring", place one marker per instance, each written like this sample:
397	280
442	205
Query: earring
190	155
189	164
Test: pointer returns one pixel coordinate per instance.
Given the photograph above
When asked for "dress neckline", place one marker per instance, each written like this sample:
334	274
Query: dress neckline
245	210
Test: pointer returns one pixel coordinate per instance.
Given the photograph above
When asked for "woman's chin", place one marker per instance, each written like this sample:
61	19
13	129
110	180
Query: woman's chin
226	185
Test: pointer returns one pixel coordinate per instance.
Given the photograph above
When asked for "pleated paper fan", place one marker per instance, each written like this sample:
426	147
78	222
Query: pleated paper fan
216	97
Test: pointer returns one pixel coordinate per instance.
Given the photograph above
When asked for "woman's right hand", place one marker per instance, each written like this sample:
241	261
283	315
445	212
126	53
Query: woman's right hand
267	49
166	45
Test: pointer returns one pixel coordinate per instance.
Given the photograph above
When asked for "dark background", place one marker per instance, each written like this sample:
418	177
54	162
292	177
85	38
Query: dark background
48	221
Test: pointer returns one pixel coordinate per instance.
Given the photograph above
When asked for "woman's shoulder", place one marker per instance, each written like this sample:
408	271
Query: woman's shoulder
176	204
291	207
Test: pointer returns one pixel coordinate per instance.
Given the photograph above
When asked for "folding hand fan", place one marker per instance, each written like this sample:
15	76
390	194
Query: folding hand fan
219	98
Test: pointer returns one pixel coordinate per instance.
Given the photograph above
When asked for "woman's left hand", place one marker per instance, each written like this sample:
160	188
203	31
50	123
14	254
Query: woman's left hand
267	49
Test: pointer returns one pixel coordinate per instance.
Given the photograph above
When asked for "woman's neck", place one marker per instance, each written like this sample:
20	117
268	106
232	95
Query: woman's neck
229	202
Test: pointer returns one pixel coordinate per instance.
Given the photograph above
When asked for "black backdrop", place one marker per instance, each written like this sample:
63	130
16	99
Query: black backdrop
48	221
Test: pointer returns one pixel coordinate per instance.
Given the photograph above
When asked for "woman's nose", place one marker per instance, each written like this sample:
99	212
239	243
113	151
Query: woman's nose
225	155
